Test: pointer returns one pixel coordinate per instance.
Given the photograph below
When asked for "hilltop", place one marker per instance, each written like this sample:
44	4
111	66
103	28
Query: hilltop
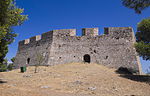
74	79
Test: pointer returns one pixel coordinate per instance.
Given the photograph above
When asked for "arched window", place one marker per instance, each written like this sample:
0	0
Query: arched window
87	58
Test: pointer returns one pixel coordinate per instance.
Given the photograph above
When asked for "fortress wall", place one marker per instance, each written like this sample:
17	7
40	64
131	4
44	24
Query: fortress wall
113	49
33	47
106	49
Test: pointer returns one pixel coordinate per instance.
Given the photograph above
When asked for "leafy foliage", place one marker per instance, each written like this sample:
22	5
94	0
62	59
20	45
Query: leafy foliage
143	31
137	5
143	50
143	39
13	59
10	67
10	16
3	66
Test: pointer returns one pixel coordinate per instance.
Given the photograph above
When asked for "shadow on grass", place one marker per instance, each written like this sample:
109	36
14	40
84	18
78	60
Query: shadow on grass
2	81
129	74
138	78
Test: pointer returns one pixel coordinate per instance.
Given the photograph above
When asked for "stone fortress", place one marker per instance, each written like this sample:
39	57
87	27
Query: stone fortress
115	48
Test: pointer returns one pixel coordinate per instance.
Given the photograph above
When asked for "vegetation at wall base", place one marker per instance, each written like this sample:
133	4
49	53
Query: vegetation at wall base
3	67
10	67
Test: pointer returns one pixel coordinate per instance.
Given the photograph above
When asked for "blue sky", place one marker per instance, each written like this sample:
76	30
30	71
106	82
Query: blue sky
46	15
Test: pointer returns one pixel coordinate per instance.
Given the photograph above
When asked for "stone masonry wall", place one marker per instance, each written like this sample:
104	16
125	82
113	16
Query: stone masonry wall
30	49
113	49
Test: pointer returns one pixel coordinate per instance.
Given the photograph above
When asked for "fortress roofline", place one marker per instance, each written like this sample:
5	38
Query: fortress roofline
92	32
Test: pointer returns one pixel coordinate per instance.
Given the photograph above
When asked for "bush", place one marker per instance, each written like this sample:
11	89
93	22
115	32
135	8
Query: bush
3	67
10	67
133	70
123	70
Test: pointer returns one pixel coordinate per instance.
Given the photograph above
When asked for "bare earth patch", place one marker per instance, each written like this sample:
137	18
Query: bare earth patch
75	79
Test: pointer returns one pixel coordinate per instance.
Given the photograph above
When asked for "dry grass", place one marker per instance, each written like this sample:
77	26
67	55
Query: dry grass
75	79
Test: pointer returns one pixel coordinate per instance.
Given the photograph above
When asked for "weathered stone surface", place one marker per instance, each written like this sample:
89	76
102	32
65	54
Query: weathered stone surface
113	49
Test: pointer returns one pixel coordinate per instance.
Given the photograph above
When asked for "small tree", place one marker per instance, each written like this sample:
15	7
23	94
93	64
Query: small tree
39	59
143	39
10	16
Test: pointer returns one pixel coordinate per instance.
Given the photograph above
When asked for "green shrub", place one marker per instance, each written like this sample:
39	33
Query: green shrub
3	67
10	67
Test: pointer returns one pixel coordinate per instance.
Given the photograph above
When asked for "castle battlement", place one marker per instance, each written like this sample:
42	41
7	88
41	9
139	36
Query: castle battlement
117	32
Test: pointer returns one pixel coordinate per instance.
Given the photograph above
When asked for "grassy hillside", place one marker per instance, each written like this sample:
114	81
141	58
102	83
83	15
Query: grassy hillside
75	79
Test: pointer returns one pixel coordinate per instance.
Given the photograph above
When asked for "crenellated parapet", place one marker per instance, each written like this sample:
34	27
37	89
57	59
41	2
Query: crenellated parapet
44	37
119	32
90	31
113	32
35	38
65	32
30	40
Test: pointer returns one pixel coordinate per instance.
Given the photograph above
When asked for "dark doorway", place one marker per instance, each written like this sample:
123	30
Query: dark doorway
87	58
28	60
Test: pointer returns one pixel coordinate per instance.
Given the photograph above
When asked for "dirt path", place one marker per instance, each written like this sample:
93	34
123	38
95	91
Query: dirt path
75	79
